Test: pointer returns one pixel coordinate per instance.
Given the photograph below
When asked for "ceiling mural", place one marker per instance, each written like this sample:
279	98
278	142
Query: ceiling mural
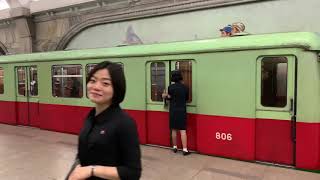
132	37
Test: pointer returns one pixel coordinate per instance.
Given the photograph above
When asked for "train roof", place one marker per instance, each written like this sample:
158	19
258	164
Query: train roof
305	40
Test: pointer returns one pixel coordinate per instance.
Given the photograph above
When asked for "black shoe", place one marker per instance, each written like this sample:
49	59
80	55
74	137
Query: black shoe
175	150
185	153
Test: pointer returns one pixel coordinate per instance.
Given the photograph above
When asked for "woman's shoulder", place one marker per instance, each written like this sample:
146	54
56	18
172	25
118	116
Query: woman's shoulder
174	85
180	85
126	125
125	119
90	115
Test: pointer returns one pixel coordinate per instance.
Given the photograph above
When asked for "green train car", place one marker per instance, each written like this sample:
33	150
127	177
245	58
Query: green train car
253	98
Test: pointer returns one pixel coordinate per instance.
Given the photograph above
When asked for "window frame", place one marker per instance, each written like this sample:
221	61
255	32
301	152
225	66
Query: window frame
170	66
17	92
192	78
290	83
151	77
80	80
30	78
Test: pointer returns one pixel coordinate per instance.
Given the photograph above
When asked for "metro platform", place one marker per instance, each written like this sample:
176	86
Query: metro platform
33	154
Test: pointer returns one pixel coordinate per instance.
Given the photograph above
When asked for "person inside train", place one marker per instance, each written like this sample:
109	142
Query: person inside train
108	146
177	95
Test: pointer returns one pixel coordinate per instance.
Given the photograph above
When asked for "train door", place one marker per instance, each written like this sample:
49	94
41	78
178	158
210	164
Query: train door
275	110
27	106
158	79
157	74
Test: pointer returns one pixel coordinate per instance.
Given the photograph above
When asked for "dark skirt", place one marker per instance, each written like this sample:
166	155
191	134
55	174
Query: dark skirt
178	119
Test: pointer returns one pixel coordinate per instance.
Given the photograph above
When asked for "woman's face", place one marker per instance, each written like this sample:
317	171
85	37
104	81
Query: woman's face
99	87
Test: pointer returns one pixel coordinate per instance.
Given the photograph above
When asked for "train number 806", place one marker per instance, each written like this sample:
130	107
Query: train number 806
224	136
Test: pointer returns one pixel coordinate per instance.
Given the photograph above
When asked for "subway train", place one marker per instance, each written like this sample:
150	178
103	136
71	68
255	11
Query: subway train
253	98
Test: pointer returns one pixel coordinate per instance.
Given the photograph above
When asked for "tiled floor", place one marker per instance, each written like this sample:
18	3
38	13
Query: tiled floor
33	154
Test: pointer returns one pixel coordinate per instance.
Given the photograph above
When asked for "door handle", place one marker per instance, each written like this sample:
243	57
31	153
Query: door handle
293	121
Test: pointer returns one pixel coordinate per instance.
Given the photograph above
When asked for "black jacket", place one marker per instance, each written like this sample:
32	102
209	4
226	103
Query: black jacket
111	139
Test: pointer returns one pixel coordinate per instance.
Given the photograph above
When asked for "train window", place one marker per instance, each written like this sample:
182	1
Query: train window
1	80
21	72
33	72
67	81
157	80
89	67
274	72
186	69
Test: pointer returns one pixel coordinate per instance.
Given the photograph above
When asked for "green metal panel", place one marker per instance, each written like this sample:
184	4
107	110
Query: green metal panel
135	79
308	98
226	84
278	115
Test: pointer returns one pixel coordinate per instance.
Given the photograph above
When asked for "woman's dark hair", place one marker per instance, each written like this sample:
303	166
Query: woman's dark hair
118	79
176	76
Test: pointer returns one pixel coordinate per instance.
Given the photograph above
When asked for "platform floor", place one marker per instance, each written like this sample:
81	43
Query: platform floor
33	154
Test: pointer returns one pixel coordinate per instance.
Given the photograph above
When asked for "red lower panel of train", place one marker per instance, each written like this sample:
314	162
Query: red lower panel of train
239	138
308	146
139	117
7	112
274	141
226	136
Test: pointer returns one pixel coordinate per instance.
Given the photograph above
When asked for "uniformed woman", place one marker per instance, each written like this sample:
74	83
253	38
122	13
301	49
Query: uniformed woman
178	96
108	143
